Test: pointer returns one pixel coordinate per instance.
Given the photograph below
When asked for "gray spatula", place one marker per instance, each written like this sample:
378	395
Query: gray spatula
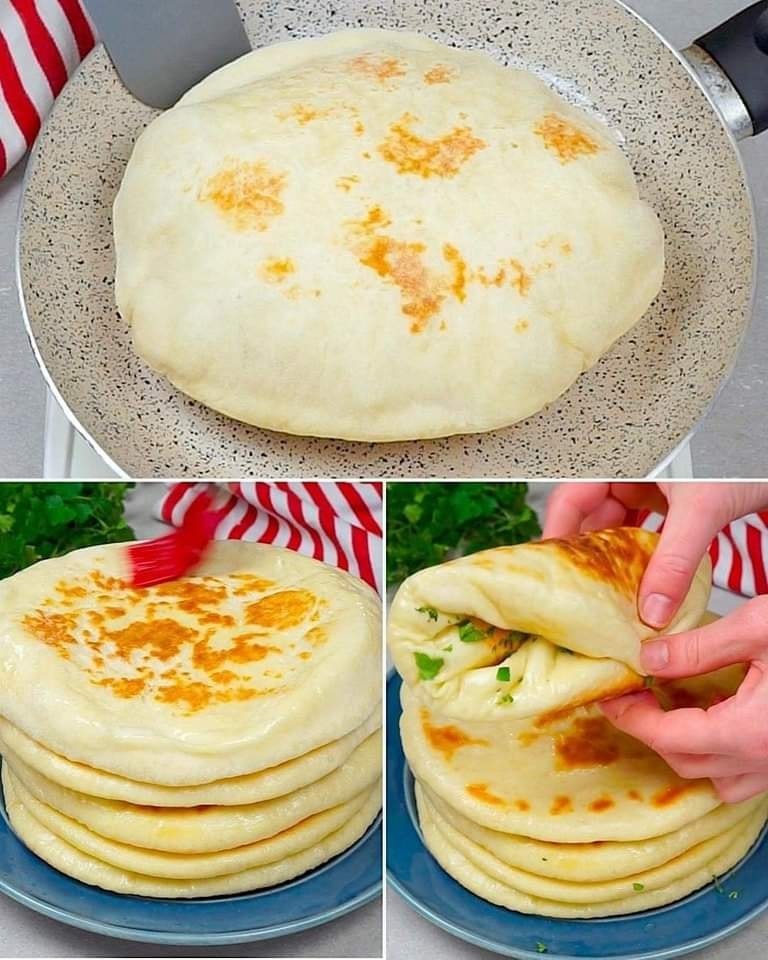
161	48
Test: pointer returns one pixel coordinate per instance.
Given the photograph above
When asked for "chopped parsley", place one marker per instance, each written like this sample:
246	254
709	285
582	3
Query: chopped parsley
431	612
429	667
638	886
502	674
507	698
469	633
541	947
448	649
734	895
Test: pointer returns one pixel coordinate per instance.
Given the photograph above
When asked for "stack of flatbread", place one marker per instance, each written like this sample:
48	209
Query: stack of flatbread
211	735
526	794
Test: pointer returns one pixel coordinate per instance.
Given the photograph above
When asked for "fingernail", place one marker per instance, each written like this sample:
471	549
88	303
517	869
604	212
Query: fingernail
655	655
657	610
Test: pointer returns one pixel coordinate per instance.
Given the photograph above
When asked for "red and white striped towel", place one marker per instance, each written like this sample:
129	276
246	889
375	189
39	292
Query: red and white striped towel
339	523
41	44
739	552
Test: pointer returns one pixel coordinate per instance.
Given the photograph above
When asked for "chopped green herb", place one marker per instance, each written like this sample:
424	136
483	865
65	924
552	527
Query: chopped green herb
718	886
507	698
545	859
448	649
502	674
734	895
541	947
429	667
469	633
638	886
431	612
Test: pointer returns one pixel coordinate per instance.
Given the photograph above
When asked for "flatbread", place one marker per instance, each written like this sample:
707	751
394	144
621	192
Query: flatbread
519	631
206	829
250	788
304	241
593	863
259	656
75	863
157	863
480	873
566	778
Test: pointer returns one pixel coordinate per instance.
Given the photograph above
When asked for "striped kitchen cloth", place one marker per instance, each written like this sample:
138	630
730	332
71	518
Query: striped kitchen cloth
41	44
739	553
339	523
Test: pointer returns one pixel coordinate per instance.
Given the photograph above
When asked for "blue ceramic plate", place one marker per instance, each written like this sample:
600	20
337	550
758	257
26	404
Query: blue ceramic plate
690	924
339	886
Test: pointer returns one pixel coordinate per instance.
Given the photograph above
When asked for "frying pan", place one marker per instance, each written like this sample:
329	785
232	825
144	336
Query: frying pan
622	418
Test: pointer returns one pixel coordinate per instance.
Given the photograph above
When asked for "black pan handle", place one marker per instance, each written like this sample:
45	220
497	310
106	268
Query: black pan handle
740	48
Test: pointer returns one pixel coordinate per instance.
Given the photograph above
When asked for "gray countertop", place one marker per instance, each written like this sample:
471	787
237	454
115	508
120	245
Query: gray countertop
730	442
27	934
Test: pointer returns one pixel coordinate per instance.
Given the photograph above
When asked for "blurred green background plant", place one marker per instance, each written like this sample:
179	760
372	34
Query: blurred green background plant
40	520
428	523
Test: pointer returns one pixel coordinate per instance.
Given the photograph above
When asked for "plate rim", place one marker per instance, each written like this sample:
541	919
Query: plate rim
521	953
136	935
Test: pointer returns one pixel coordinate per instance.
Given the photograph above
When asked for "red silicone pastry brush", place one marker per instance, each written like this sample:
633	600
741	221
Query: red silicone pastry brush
171	556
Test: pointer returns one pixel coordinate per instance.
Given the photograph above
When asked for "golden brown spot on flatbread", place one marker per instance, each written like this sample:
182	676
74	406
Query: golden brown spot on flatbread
125	689
457	262
521	326
224	676
358	128
527	738
634	795
288	608
53	629
192	595
304	114
522	805
561	804
69	590
670	795
565	138
602	804
381	69
276	269
346	183
588	742
161	639
440	73
317	636
114	612
448	739
243	650
442	157
246	193
250	583
510	272
618	557
481	792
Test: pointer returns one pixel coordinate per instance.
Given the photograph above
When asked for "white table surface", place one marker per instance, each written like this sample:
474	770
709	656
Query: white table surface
27	934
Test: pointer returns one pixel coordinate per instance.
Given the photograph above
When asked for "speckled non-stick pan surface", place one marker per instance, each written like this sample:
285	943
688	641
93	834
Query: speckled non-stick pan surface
620	419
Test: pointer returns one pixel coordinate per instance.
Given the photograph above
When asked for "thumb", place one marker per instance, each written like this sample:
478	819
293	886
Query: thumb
693	519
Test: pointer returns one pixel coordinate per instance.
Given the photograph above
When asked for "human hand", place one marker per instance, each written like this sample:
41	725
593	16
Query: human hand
695	513
728	742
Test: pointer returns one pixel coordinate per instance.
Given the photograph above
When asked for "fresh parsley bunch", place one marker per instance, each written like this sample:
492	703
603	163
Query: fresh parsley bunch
428	523
40	520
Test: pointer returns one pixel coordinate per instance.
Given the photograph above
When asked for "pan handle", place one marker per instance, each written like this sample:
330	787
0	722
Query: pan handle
732	61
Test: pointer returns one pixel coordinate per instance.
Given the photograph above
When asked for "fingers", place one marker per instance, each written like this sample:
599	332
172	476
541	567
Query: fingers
744	787
679	731
709	766
740	637
610	513
570	504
